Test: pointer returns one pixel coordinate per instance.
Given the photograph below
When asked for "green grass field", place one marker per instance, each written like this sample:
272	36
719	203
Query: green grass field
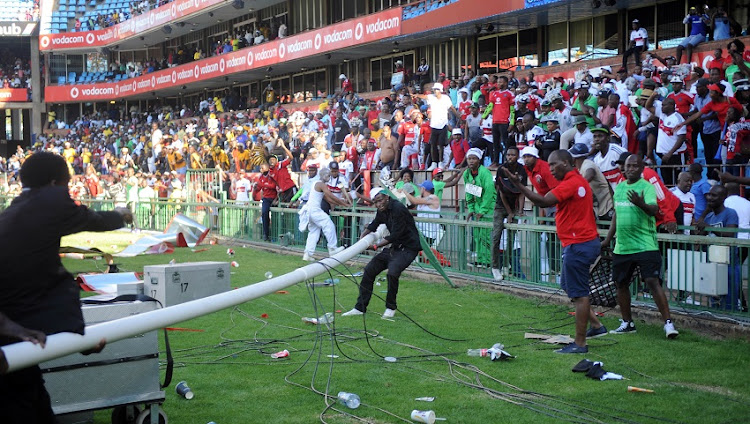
228	365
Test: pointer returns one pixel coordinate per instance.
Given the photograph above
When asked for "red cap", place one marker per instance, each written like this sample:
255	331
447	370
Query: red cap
442	74
436	171
715	87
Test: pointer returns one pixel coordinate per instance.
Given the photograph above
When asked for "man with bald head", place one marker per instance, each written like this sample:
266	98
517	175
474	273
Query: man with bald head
576	229
634	226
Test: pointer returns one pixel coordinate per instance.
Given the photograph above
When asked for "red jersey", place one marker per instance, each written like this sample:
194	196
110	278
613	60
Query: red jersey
683	101
426	130
368	160
541	177
266	185
665	199
410	131
464	109
501	103
372	114
346	85
719	64
721	108
575	221
459	149
280	173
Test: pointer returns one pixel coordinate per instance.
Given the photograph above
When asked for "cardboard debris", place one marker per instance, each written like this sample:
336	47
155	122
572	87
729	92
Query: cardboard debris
561	339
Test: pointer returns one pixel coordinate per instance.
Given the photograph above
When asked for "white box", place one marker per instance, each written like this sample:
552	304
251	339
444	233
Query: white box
179	283
690	271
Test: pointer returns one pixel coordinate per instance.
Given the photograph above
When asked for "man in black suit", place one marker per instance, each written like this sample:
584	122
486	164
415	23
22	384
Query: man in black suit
36	292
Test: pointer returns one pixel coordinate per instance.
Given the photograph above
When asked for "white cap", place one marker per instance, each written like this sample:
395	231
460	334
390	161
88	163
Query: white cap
375	191
530	150
342	76
476	152
676	78
456	131
437	86
176	183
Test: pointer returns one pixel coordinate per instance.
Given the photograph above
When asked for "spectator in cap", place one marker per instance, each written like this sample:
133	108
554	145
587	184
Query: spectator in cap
637	45
605	154
472	126
480	203
699	23
440	185
585	104
599	185
423	76
550	141
318	220
459	146
583	134
440	107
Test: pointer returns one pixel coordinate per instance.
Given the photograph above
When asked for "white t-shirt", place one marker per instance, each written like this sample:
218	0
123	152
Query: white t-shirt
688	206
667	137
439	108
586	137
486	126
607	165
242	189
639	36
742	207
532	134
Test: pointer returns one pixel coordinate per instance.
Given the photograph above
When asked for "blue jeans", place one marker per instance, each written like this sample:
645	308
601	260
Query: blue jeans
576	261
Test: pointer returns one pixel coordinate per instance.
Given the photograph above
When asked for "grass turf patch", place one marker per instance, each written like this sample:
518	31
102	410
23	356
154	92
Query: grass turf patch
229	368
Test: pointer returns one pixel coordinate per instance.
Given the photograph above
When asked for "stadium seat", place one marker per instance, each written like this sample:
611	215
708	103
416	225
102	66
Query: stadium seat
61	80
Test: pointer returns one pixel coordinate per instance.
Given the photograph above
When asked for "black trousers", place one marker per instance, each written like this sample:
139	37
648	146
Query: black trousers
438	138
395	261
710	147
500	141
23	398
636	52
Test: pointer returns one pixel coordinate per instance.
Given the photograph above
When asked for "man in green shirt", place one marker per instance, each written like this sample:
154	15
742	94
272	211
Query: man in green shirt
480	202
585	104
634	225
440	185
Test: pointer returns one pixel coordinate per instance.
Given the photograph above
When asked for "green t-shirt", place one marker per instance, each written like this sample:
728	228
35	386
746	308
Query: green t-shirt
636	230
401	184
591	102
439	187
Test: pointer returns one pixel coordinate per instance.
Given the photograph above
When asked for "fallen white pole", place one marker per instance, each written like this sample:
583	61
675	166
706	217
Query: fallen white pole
25	354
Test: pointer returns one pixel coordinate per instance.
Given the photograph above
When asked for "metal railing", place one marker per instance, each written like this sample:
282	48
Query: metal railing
701	273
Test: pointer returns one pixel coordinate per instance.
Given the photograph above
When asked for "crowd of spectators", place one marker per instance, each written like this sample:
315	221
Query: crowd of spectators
668	114
105	20
15	72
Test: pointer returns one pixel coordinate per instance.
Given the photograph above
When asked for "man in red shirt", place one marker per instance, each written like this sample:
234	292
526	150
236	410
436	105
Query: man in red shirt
576	228
279	171
501	100
267	187
409	135
715	109
538	171
346	84
683	101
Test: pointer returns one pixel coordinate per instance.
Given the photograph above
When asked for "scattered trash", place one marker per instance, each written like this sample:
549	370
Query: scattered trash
327	283
173	261
323	319
264	315
546	338
351	400
338	311
427	417
638	389
333	356
282	292
183	390
268	275
595	370
390	359
230	252
460	306
278	355
425	399
495	353
199	250
235	264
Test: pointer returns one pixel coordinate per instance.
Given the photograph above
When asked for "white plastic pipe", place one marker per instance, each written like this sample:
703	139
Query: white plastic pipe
25	354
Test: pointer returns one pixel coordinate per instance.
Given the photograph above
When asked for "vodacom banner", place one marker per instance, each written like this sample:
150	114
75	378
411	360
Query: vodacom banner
136	25
335	37
14	95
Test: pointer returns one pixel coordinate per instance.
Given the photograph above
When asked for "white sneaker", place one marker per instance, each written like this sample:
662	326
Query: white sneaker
690	301
308	258
497	274
389	313
353	312
432	167
670	330
335	250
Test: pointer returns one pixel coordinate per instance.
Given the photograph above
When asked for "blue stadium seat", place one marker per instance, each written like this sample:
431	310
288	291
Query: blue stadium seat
62	8
60	80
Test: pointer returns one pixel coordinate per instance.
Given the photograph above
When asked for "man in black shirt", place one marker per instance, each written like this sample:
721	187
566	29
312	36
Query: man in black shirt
340	130
509	202
405	246
36	291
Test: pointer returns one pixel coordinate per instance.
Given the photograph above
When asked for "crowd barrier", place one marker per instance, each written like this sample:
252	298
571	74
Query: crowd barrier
701	273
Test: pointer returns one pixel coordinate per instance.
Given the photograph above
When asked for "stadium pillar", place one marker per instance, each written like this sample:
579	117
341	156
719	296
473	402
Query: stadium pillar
37	106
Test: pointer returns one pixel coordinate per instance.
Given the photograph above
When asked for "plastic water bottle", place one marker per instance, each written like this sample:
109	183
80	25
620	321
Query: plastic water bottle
477	352
351	400
269	275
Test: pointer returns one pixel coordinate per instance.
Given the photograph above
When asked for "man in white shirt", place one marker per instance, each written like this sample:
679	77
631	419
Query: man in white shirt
440	105
583	134
241	188
740	205
637	45
682	191
607	155
670	144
